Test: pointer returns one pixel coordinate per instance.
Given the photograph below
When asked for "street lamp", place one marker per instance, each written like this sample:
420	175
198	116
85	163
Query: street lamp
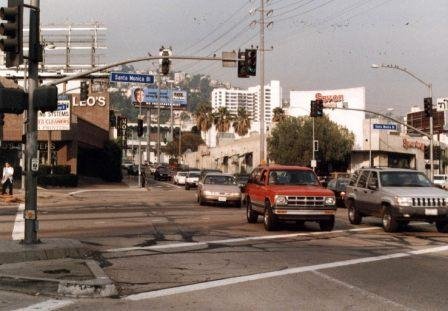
431	121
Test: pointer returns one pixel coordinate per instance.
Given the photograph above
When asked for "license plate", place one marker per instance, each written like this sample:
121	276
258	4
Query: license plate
431	211
222	199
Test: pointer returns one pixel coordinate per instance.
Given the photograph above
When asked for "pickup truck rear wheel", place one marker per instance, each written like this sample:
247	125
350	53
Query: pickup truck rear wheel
442	226
270	223
327	225
390	223
252	216
353	214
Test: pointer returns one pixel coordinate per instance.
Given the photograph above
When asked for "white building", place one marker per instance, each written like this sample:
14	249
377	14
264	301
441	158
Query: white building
300	102
249	99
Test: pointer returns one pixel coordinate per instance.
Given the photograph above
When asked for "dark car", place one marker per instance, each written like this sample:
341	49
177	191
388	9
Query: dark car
133	170
162	173
339	186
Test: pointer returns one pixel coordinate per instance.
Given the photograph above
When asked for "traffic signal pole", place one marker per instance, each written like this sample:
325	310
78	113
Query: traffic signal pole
31	160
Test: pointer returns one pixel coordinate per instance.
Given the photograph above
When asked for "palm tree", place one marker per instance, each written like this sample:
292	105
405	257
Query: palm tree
279	115
204	117
222	120
241	124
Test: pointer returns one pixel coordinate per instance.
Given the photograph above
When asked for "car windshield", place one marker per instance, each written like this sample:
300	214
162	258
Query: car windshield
219	180
404	179
182	173
194	174
439	178
291	177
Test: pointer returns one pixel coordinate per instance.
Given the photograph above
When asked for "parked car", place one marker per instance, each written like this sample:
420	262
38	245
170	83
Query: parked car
397	196
179	178
281	193
126	164
338	186
219	188
441	181
162	173
192	179
133	170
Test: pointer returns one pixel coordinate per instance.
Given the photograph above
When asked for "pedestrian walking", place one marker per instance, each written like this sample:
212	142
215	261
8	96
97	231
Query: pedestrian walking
7	181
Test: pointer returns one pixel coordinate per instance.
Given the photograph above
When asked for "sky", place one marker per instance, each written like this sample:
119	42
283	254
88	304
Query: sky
316	44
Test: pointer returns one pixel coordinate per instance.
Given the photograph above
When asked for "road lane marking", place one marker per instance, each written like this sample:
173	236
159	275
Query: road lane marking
107	189
49	305
18	232
363	292
237	240
272	274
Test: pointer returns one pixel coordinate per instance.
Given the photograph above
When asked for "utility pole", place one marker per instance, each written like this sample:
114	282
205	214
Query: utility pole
148	133
262	133
159	84
31	160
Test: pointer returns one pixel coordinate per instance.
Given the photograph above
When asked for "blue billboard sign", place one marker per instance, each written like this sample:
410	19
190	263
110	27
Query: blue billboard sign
392	127
131	78
150	98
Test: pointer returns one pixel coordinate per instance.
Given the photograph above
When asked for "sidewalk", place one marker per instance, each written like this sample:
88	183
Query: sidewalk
55	266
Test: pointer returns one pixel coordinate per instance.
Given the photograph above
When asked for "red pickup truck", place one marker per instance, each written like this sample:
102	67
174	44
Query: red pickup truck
282	193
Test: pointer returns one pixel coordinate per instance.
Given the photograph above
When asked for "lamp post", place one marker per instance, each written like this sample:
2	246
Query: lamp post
431	120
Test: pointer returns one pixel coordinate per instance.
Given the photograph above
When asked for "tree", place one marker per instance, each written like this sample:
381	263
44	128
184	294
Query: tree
204	117
222	120
279	115
291	143
241	125
120	102
189	140
184	116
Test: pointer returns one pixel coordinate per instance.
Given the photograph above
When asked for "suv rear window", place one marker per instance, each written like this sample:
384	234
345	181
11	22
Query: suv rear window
362	182
354	178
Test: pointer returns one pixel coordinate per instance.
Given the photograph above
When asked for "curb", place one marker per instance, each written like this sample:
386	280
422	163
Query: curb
98	287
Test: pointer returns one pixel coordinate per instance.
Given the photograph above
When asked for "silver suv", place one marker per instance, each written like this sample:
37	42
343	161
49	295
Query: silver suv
397	196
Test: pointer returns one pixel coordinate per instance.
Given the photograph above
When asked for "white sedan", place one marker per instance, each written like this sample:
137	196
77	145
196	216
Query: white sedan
179	178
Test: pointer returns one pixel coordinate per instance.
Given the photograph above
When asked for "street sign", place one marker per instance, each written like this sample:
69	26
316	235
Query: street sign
131	78
442	104
313	163
392	127
34	164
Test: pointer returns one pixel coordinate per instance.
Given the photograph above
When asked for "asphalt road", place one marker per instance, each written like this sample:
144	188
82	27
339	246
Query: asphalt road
165	252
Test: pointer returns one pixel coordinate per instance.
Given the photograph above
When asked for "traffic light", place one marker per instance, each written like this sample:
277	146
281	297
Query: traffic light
427	101
12	45
140	126
112	119
313	108
319	108
251	61
165	62
45	98
242	68
13	100
84	92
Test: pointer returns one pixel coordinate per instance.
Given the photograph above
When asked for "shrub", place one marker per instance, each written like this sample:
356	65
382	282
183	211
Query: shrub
58	180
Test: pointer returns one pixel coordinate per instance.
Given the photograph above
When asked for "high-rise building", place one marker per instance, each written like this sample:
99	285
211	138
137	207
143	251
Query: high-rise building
249	99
